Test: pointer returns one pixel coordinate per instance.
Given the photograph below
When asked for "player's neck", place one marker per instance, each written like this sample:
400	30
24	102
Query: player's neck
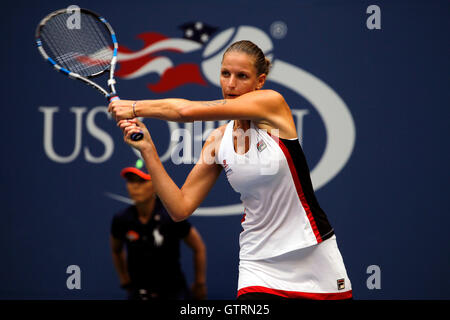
241	124
145	209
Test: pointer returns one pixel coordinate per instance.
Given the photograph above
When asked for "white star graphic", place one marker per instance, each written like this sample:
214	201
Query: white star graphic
189	33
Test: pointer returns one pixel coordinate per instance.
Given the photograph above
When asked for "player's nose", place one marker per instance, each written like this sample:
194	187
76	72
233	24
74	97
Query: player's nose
231	82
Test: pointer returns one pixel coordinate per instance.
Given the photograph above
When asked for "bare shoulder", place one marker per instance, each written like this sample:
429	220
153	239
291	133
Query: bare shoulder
278	116
270	100
268	95
275	99
272	94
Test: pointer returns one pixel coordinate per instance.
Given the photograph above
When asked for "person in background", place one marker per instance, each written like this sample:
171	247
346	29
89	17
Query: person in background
150	267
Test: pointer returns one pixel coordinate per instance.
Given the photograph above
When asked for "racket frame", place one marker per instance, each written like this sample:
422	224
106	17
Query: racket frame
111	95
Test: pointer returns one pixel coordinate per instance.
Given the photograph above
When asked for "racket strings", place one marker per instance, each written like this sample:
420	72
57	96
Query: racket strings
84	50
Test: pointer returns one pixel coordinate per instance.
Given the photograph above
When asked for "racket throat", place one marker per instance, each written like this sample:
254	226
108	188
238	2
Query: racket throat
112	97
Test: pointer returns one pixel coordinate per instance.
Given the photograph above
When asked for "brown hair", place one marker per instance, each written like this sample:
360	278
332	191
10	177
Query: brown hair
262	64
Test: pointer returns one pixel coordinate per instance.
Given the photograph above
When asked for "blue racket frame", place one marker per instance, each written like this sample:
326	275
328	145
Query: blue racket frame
110	95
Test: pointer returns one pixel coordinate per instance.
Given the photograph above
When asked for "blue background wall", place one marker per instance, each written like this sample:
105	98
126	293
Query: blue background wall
388	204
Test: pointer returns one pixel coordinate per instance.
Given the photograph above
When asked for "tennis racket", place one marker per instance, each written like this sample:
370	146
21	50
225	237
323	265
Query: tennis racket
82	50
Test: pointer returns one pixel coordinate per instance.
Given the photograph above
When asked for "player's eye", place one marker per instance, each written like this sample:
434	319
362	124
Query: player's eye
225	73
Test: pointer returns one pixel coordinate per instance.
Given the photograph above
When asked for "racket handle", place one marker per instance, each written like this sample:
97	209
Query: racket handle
135	136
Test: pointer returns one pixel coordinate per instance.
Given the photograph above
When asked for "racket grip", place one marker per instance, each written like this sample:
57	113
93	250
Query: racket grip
134	136
137	136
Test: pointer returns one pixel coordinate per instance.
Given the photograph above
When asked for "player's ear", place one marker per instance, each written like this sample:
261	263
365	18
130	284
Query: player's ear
260	81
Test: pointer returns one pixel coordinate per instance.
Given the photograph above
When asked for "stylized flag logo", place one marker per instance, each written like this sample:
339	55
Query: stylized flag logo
154	58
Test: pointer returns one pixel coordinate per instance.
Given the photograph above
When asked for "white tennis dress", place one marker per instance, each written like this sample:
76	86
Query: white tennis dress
287	245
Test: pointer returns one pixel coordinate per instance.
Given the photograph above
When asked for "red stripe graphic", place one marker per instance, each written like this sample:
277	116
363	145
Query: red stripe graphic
299	188
177	76
152	58
131	66
297	294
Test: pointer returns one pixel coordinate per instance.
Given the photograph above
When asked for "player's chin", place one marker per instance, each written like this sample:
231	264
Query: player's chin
139	199
231	96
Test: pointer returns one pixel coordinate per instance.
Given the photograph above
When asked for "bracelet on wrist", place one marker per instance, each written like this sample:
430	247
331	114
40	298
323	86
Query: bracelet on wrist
134	110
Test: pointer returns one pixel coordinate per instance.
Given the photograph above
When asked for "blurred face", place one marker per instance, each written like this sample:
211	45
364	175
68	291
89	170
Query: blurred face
238	75
140	190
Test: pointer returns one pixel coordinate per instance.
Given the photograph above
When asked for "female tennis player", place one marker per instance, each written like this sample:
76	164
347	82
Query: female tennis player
287	246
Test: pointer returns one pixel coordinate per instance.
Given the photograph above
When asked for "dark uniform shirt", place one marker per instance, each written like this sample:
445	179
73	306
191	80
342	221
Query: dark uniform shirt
153	250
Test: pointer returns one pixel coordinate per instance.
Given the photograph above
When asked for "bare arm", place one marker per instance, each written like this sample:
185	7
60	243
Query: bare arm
265	106
119	260
179	202
195	242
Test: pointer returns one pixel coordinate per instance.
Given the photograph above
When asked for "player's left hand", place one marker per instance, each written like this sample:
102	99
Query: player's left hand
121	109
